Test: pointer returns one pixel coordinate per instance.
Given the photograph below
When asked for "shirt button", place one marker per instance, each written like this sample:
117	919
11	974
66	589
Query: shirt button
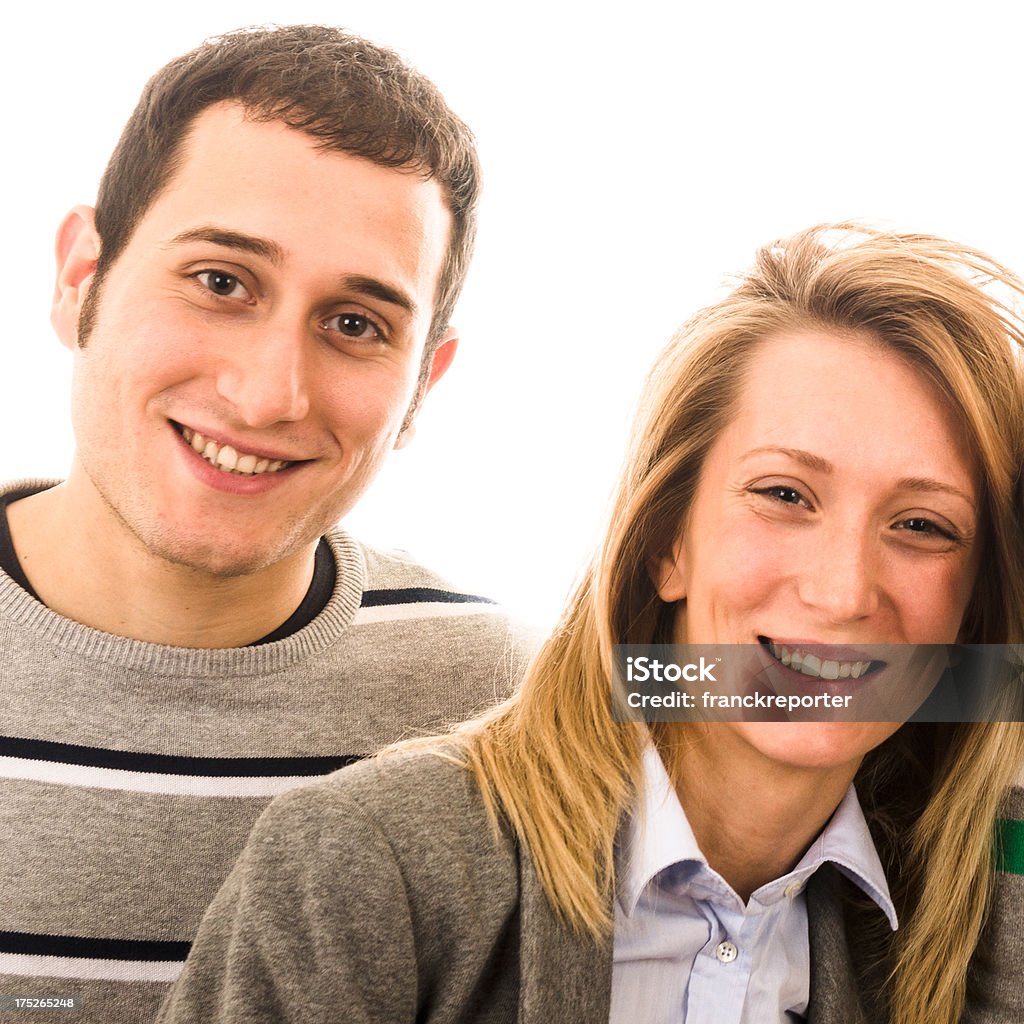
793	889
726	952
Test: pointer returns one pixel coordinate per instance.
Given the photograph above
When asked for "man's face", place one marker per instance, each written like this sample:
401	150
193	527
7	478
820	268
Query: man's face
256	346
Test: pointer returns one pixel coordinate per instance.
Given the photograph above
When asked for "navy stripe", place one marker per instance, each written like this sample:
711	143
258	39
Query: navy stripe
171	764
32	944
418	595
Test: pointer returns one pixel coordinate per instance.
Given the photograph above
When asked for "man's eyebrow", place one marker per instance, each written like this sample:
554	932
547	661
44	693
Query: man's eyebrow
238	240
377	289
274	254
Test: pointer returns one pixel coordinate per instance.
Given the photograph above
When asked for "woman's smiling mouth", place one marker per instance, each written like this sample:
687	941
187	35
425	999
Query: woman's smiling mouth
803	659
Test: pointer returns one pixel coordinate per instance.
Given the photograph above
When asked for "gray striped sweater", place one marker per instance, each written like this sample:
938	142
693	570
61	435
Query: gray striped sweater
131	774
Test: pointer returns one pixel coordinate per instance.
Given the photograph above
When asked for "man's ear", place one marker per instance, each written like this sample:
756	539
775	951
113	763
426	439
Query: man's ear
442	358
78	248
668	572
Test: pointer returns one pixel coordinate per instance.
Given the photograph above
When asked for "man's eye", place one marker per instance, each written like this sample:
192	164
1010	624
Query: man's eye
220	283
354	325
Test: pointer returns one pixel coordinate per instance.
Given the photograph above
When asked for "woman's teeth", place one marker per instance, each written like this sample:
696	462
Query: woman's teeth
229	460
812	665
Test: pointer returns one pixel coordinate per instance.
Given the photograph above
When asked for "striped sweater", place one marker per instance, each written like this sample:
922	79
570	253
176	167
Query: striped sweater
131	774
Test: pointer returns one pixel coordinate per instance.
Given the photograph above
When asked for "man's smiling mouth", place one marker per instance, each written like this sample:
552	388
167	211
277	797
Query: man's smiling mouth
810	664
228	459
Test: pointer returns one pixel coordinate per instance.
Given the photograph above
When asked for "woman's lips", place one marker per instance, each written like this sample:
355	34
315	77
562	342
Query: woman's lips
821	661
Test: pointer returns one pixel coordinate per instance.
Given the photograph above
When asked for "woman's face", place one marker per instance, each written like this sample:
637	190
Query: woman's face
839	506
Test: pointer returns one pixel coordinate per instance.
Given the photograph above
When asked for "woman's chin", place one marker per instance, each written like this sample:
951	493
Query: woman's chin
815	746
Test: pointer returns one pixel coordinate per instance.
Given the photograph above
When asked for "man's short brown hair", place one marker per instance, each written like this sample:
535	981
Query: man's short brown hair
346	93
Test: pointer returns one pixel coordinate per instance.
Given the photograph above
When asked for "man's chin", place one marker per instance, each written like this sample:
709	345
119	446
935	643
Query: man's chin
221	561
213	547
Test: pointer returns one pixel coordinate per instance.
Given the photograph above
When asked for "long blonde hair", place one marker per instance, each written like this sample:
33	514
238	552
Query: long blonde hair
553	763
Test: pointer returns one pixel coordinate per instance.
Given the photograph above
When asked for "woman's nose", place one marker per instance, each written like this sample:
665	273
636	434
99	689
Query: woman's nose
841	579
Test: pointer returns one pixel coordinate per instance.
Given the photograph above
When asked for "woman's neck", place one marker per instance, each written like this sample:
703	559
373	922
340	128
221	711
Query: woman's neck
753	818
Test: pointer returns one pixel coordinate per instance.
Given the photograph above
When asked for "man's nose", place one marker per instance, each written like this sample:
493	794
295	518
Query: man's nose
841	579
265	376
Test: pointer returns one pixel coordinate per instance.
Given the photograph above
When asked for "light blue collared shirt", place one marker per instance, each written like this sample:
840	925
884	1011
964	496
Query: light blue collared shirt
686	949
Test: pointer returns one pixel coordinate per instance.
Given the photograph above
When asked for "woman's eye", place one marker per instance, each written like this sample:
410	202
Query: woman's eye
783	494
225	285
925	527
354	325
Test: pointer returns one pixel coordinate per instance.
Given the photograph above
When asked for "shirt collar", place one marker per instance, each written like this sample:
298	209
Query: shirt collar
846	842
657	835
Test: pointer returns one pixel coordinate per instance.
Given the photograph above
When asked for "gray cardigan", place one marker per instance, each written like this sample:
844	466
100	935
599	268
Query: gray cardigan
995	990
382	894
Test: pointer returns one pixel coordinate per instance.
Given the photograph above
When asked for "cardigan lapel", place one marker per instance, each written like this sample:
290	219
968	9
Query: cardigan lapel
567	977
836	997
564	976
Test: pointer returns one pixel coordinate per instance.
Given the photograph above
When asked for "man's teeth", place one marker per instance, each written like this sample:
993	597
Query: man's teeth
812	665
226	458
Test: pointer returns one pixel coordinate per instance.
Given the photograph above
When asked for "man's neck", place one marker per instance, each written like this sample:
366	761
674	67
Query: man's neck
91	569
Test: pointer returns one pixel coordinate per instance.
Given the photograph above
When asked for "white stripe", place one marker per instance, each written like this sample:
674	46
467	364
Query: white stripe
423	610
26	965
149	782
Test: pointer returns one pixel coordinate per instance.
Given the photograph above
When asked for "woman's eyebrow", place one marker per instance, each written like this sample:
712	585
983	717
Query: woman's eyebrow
923	484
927	484
808	459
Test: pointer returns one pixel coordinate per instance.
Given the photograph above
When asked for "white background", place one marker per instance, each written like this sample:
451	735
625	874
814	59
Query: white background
632	157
